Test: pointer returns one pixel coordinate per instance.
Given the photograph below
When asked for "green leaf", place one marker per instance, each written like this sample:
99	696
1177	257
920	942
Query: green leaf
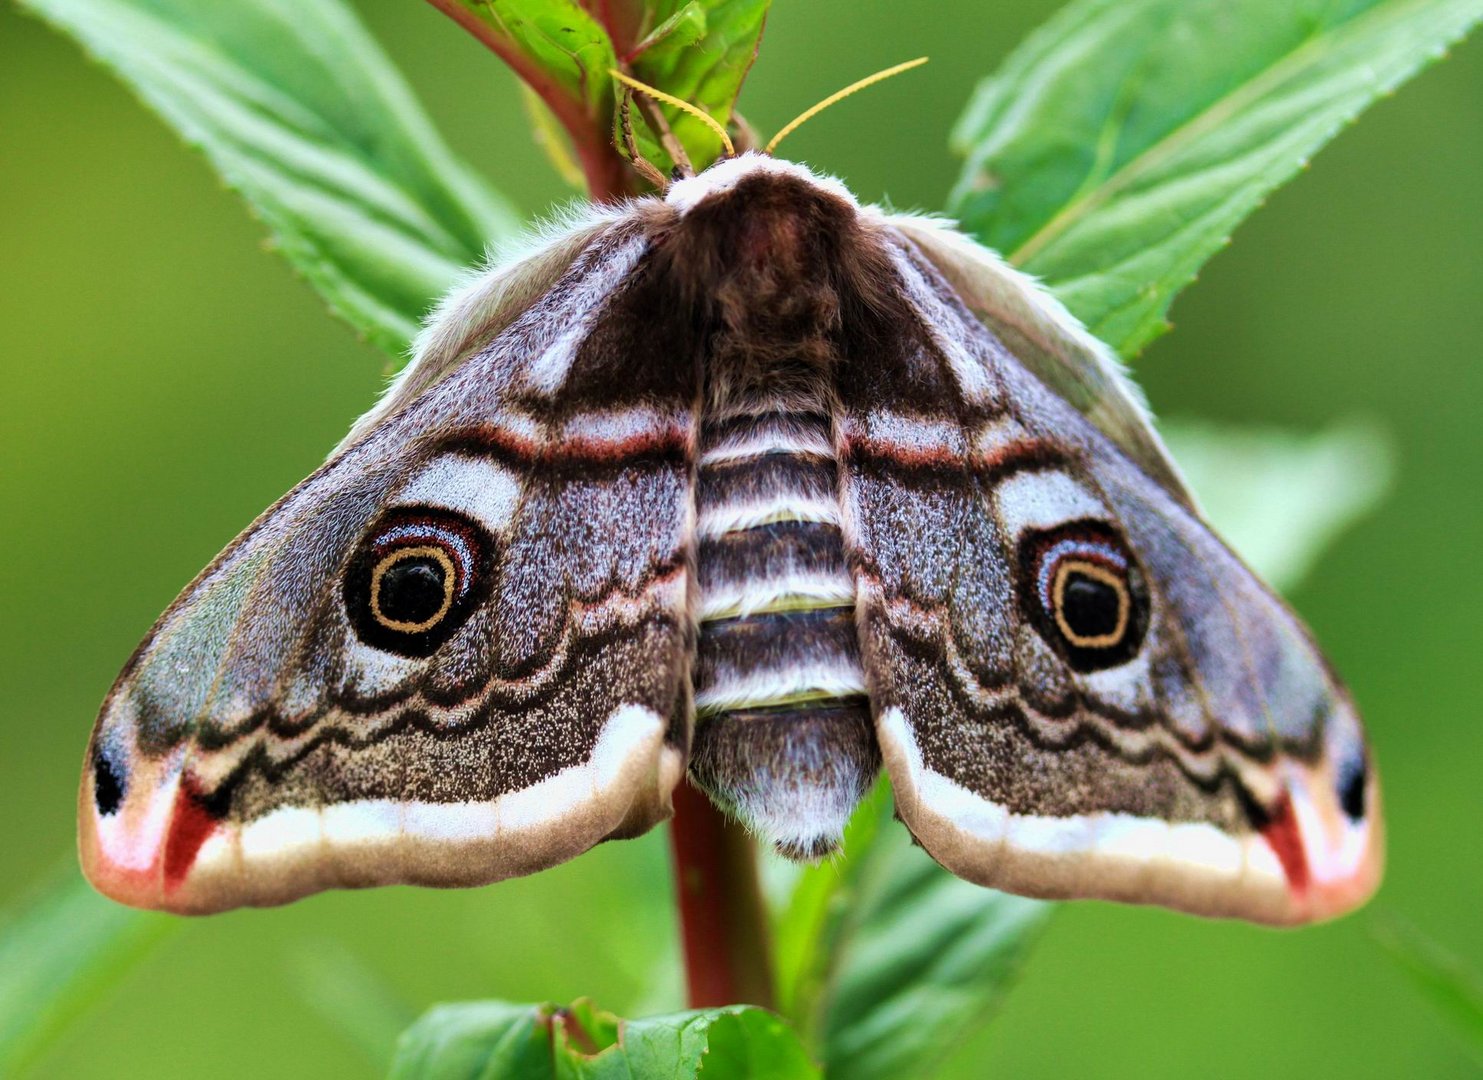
1449	983
1278	497
679	31
559	49
478	1040
732	1043
488	1040
703	59
1120	145
904	956
697	50
59	956
302	113
811	904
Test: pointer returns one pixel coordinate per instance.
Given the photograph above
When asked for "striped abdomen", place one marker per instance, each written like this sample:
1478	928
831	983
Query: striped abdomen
783	735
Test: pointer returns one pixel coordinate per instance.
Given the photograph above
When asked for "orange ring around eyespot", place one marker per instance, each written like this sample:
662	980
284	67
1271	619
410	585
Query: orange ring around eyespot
1113	637
391	560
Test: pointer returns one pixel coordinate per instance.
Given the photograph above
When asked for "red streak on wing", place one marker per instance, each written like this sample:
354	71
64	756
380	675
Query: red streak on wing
1019	454
997	462
906	454
190	825
584	449
1286	840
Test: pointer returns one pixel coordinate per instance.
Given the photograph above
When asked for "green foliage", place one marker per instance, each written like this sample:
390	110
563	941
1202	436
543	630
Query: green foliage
493	1039
351	998
698	50
301	112
60	955
1120	145
887	959
1451	985
1112	155
478	1040
1278	497
559	49
700	53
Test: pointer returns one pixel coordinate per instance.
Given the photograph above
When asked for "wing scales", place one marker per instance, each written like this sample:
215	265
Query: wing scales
1204	771
267	744
462	649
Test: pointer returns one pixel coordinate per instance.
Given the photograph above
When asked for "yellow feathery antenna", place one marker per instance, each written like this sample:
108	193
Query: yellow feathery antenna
838	96
669	99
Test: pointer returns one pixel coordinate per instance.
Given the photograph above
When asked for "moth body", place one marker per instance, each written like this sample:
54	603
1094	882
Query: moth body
783	736
753	482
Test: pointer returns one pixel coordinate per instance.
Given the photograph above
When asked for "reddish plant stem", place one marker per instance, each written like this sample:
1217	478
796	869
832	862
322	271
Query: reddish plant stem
621	19
606	173
723	924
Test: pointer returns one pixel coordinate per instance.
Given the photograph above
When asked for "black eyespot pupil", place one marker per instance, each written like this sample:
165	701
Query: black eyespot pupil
1352	793
1089	607
412	590
1081	589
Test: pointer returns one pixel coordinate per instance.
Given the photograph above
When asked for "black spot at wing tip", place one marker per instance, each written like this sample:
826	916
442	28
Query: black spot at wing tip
108	785
1353	788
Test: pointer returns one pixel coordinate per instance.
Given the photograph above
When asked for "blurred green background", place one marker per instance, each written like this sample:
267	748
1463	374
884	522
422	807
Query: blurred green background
162	380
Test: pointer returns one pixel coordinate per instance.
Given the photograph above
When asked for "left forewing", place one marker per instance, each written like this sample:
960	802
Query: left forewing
455	653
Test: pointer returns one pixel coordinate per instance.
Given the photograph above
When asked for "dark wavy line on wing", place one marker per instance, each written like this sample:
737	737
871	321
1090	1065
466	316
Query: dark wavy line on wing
1307	749
914	464
218	737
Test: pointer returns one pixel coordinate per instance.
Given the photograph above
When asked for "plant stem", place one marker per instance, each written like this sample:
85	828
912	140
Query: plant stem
605	171
723	924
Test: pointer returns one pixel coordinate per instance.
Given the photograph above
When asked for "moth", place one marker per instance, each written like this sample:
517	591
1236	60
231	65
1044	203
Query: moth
755	483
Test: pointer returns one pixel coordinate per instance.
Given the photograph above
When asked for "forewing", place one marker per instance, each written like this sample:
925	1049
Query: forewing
1079	690
1047	341
454	654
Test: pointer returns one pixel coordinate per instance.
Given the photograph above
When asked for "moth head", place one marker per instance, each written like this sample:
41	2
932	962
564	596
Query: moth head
417	574
1083	591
